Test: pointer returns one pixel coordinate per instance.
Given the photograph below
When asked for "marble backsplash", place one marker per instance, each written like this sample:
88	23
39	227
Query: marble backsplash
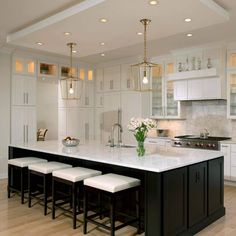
211	115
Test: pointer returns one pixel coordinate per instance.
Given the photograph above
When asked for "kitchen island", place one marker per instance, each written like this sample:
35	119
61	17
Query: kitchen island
182	189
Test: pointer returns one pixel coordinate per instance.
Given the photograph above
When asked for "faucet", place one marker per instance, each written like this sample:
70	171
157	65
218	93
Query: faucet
119	141
204	134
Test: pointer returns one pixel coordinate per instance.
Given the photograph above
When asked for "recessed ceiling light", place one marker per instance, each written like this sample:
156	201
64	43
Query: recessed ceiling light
103	20
74	51
102	54
67	33
153	3
102	43
139	33
189	35
39	43
187	19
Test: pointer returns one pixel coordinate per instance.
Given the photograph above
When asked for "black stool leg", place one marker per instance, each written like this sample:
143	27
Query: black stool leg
45	190
9	182
29	186
138	210
85	210
112	214
53	197
74	205
22	185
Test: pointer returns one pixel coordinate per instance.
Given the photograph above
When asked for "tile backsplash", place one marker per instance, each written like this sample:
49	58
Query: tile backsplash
199	115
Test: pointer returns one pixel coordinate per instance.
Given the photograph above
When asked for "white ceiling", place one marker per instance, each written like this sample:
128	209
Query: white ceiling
167	30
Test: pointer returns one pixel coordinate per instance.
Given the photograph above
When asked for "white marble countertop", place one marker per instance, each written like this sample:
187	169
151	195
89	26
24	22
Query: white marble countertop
229	141
156	159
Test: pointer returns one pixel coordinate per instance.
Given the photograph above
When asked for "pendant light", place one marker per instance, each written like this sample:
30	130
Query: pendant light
142	72
71	86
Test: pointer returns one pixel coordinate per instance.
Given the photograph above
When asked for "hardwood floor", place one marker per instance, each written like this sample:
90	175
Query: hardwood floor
17	219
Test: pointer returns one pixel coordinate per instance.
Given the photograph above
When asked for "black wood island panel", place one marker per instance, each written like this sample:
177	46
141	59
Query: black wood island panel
181	201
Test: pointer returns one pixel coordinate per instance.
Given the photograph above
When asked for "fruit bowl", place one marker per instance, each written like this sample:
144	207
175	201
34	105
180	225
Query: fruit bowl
70	142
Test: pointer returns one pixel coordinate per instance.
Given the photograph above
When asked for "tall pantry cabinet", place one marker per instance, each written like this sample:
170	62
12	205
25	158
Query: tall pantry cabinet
23	100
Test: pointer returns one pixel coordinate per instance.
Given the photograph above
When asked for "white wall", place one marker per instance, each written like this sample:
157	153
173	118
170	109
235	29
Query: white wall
5	70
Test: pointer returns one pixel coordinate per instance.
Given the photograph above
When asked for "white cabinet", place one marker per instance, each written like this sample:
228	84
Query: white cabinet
23	90
88	95
24	66
99	122
112	78
23	124
99	101
180	90
225	149
99	80
126	78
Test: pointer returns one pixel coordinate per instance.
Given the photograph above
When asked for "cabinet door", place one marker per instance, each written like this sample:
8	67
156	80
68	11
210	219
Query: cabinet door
197	186
23	66
88	97
225	149
99	80
18	90
231	59
31	130
30	88
212	88
73	123
157	92
181	90
112	78
232	94
98	130
17	125
195	89
126	81
215	185
99	100
175	201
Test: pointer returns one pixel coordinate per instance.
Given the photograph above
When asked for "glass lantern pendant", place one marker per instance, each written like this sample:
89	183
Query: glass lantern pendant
142	72
71	86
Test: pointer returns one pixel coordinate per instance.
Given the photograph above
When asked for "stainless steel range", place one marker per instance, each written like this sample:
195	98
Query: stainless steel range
194	141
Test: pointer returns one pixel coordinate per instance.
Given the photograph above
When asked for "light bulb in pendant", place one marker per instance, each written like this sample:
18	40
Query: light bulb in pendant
71	90
145	79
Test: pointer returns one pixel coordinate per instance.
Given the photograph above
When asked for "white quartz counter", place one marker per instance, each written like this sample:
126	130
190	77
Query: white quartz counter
157	159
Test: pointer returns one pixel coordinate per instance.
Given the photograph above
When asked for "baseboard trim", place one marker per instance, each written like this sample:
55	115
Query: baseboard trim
3	176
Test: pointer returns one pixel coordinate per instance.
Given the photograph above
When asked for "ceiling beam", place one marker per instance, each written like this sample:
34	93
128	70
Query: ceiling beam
82	6
216	8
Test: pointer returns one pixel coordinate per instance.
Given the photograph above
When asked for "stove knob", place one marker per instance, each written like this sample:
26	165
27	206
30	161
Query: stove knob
177	143
197	144
213	145
188	143
209	145
202	145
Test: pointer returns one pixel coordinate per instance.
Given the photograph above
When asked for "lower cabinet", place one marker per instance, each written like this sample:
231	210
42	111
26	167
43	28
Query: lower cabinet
192	198
197	194
215	185
175	201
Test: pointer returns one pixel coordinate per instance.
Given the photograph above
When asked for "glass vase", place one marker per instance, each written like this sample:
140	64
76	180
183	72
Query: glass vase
140	149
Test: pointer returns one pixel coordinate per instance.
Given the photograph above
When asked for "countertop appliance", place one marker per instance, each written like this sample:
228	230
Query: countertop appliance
195	141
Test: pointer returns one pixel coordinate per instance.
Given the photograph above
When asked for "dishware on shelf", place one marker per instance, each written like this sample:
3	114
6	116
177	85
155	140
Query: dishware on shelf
199	64
70	142
180	67
209	64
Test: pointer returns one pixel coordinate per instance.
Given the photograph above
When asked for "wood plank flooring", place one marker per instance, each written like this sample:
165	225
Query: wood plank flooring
19	220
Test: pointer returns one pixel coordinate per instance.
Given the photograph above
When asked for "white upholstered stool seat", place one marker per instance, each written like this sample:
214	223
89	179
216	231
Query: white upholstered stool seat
112	182
75	174
25	161
48	167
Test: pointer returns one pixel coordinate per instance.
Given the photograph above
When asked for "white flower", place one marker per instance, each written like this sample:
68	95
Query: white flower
138	123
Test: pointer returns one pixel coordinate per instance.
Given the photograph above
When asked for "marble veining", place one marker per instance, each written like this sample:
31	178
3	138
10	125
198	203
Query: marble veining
157	158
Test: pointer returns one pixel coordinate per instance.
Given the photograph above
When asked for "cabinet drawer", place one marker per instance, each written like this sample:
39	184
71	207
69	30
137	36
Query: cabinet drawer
233	159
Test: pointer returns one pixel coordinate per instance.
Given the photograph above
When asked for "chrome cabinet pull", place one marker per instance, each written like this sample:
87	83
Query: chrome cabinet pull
24	133
224	146
111	84
27	98
27	132
23	98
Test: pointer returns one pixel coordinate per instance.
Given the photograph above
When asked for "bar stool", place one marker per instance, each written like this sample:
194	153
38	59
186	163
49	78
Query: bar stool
20	165
43	171
73	177
111	185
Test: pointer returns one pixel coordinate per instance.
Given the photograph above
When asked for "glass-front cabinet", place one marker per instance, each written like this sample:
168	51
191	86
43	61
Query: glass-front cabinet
163	105
23	66
232	94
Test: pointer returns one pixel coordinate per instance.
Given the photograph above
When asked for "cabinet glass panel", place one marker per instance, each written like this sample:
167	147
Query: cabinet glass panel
90	75
232	60
31	67
66	71
171	104
19	66
47	69
233	94
157	84
82	74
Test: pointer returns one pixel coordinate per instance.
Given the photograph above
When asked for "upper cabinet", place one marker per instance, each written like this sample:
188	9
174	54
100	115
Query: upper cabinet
231	84
163	105
24	66
99	80
47	69
111	78
199	74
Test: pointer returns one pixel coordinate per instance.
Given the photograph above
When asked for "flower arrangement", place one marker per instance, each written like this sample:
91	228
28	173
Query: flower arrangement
140	128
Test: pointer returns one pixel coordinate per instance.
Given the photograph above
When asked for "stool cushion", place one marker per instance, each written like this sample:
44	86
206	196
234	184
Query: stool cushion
112	182
25	161
49	167
75	174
